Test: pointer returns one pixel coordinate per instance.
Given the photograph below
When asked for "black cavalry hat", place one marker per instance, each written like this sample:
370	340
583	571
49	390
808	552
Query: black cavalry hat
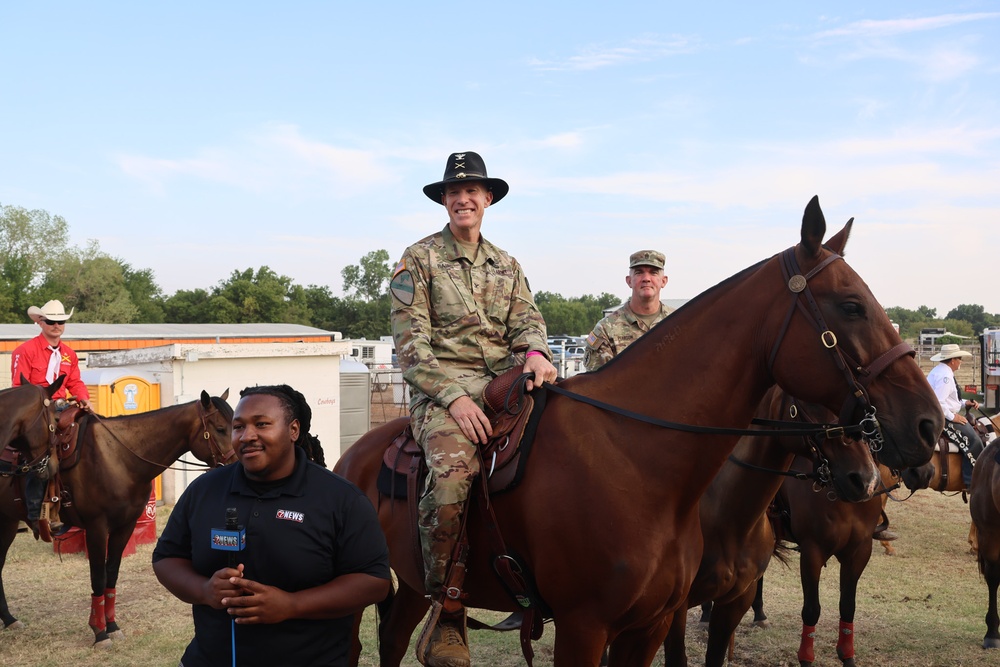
466	166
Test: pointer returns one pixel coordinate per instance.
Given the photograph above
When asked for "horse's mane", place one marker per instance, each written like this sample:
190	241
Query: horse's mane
222	406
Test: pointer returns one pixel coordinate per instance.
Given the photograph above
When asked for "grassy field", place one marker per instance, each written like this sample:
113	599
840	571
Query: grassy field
923	606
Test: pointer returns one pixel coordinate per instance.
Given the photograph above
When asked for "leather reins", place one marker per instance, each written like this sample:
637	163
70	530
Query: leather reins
214	449
804	302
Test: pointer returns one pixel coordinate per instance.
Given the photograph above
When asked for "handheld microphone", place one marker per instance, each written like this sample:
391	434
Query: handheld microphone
232	538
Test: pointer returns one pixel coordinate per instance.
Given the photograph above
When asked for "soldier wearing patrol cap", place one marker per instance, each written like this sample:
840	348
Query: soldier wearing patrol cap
642	311
462	313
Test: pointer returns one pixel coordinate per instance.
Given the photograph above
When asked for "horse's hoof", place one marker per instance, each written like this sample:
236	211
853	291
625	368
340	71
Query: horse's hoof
763	624
991	642
104	644
803	663
849	662
16	625
117	636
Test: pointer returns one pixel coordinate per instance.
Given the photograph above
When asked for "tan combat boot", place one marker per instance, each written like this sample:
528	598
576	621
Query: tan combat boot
447	646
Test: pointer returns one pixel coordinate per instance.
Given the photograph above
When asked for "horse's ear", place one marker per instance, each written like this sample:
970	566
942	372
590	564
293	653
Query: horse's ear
839	240
225	394
206	400
813	227
54	387
24	380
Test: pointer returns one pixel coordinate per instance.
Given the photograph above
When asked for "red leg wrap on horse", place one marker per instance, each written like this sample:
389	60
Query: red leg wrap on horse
806	651
109	605
845	641
97	622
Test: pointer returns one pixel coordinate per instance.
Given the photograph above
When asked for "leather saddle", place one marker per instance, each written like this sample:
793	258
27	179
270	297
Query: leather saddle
948	456
70	427
513	416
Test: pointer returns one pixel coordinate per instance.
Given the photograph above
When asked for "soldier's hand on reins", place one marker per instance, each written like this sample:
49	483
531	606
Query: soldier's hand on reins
542	369
471	419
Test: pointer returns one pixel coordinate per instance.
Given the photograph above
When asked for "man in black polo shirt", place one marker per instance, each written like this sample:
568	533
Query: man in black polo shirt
314	556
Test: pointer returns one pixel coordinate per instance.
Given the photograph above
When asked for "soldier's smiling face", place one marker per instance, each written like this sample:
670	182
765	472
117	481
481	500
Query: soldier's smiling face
466	203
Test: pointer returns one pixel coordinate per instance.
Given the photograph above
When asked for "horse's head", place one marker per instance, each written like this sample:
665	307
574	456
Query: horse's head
29	417
836	347
919	477
842	464
213	444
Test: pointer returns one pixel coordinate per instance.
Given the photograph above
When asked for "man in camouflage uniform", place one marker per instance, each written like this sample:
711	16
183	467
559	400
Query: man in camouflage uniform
462	313
642	311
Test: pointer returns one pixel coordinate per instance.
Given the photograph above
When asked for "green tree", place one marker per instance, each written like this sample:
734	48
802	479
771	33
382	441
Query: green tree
575	316
261	296
30	243
191	307
368	280
911	321
91	282
146	295
976	316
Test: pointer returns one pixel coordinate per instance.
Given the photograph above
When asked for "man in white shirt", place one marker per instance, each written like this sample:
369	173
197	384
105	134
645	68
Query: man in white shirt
942	380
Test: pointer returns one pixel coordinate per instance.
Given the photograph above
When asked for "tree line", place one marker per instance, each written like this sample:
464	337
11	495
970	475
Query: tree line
37	264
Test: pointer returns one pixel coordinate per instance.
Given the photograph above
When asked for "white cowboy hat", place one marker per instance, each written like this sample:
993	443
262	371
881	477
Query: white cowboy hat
950	351
53	310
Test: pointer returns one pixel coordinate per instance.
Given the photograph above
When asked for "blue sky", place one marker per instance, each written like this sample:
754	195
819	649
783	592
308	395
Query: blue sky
198	138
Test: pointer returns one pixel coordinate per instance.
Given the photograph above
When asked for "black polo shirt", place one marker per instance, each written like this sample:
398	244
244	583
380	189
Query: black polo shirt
312	529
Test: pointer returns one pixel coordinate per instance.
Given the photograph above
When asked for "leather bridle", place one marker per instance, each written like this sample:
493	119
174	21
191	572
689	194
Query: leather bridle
857	377
213	447
42	461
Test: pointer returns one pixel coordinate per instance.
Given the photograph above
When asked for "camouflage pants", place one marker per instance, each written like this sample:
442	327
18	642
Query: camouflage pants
452	464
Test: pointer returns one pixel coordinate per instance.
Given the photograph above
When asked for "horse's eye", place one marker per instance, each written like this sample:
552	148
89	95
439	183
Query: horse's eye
852	309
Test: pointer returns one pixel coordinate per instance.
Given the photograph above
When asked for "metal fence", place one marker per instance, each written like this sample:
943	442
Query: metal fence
390	396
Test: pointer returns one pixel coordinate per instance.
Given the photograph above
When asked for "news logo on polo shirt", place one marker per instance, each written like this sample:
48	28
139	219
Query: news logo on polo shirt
289	515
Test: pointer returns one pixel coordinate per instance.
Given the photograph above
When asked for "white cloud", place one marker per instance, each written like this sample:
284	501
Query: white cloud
933	62
889	27
277	159
641	49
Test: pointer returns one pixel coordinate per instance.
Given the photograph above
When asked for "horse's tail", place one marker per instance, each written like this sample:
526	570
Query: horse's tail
782	552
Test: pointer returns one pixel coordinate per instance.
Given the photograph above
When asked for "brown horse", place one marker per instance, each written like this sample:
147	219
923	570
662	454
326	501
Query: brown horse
984	506
738	536
110	483
29	418
739	540
605	519
824	527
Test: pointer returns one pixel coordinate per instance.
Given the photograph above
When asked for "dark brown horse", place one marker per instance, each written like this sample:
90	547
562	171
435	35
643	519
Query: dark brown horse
110	484
605	518
984	506
824	527
738	536
29	417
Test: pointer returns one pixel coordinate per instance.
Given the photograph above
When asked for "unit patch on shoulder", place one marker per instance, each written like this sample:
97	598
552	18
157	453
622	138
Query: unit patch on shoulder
401	285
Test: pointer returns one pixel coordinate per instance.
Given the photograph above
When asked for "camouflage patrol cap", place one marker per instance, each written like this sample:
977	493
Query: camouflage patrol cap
646	258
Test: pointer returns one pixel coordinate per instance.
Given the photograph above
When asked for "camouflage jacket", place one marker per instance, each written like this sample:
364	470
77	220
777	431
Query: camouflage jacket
451	341
614	333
